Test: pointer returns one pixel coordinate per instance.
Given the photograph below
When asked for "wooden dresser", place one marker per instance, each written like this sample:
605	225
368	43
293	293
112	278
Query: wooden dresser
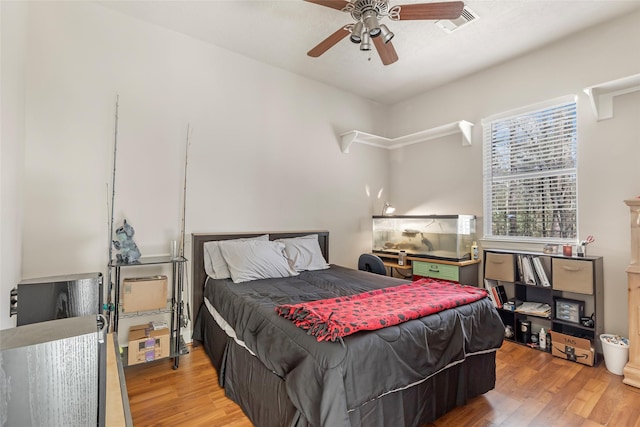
632	369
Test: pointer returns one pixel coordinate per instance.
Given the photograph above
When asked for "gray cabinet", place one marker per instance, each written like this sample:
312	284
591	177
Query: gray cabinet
52	373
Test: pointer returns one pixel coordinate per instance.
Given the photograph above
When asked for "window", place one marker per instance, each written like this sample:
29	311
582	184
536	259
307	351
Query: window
530	173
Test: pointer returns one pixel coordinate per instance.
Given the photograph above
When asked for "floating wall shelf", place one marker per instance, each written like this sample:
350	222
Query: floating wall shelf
464	127
602	95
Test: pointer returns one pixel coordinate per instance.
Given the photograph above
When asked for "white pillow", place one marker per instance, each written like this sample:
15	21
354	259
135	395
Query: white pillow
304	253
255	259
214	263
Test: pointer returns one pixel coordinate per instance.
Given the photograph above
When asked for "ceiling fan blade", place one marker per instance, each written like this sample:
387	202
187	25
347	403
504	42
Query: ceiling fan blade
442	10
334	4
328	43
386	51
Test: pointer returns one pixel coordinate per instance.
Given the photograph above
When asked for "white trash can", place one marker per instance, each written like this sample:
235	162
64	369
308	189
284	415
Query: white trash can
616	352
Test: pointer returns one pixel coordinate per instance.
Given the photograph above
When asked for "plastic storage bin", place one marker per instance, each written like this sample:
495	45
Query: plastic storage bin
616	352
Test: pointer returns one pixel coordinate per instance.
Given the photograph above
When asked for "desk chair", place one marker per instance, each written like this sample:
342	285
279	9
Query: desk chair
372	264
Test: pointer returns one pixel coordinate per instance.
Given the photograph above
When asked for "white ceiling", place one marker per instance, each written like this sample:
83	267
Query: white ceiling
280	32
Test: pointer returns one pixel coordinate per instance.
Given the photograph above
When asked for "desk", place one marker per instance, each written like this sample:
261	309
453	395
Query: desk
465	272
391	265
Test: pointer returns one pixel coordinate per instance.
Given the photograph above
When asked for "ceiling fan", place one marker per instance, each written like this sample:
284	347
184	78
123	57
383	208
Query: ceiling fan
366	13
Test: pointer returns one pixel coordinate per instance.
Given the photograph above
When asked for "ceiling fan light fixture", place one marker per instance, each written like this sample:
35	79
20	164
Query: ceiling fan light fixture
356	33
371	21
386	34
366	41
365	26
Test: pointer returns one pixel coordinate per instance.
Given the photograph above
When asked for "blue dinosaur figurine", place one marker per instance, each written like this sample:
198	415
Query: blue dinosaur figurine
129	252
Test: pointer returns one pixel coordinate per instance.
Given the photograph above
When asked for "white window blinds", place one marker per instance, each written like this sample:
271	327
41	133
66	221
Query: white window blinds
530	173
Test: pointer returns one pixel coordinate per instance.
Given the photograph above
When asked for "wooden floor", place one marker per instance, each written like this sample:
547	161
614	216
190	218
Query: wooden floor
533	389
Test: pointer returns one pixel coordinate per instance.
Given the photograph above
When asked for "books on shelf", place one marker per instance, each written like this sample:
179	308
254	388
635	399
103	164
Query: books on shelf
542	275
535	308
488	285
502	293
531	271
497	292
520	268
498	295
527	271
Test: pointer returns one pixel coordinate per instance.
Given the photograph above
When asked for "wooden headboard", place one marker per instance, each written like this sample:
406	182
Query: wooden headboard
199	276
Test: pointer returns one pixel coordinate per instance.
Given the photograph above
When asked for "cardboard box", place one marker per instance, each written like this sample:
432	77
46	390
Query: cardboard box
144	294
146	344
572	348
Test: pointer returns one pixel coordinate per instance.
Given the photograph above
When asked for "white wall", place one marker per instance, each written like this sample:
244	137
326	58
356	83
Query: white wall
264	153
13	18
449	176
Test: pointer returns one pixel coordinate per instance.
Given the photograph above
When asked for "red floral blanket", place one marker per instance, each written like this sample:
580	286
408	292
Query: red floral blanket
332	318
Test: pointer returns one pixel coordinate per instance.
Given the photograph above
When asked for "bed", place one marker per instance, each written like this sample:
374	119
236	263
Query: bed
403	375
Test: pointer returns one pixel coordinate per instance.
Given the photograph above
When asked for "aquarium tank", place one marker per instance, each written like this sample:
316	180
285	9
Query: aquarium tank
446	237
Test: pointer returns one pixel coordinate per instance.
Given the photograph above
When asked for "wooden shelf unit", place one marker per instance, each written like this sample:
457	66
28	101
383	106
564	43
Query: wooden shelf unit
571	278
632	368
